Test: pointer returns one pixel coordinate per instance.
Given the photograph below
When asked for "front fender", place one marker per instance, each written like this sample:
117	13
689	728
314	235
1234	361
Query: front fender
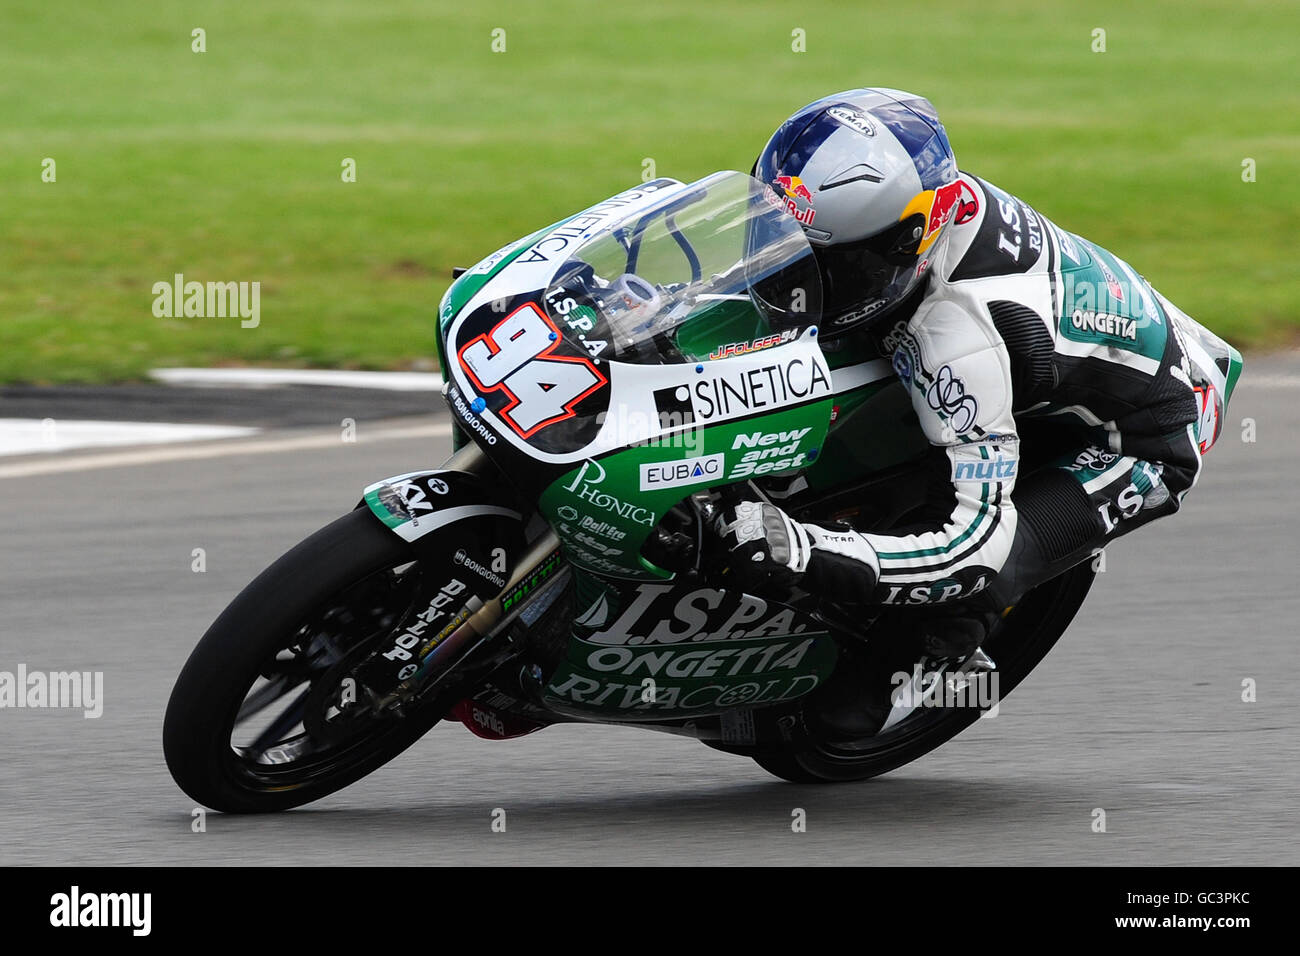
455	519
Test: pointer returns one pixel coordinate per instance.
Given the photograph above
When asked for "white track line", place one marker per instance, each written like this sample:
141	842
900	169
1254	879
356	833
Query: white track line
152	456
33	436
269	377
1269	381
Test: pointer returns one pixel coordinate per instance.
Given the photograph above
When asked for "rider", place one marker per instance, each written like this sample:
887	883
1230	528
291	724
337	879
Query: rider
994	318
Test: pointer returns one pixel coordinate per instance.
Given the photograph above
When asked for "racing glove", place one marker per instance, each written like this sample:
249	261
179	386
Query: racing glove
765	547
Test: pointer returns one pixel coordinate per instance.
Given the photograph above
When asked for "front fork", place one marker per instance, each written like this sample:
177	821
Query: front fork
481	625
410	664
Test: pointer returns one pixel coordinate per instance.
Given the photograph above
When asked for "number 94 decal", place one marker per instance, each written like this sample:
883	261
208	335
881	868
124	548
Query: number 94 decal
516	357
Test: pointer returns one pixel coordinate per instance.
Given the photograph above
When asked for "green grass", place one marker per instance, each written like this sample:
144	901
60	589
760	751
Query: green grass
225	165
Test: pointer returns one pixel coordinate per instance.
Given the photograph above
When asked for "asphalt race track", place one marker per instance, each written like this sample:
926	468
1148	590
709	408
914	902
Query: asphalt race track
1138	711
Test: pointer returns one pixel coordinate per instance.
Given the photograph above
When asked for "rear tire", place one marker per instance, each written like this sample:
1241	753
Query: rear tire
1025	638
258	625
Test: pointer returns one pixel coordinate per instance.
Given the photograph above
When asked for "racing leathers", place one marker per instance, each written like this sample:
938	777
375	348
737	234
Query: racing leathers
1021	327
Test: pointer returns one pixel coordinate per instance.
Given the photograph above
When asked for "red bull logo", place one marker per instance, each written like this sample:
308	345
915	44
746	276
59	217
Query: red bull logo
946	200
794	188
938	206
795	194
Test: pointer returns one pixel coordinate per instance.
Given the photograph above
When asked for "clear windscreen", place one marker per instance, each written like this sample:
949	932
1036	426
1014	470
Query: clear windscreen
721	245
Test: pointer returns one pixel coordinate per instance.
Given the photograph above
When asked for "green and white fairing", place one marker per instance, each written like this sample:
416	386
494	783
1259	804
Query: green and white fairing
661	343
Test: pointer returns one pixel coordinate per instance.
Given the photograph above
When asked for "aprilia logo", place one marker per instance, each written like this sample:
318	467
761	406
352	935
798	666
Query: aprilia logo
488	721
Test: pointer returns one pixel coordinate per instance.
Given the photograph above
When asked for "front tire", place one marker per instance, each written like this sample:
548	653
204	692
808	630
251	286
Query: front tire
347	578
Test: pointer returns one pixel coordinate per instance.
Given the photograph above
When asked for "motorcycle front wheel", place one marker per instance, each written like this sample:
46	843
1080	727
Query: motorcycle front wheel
259	719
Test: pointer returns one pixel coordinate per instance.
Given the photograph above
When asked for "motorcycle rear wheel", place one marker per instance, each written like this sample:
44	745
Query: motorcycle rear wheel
1026	636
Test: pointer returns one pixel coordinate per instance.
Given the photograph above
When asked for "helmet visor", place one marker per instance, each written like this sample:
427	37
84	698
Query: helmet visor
862	280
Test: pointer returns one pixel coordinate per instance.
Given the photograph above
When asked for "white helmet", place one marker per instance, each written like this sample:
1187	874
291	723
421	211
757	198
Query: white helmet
871	177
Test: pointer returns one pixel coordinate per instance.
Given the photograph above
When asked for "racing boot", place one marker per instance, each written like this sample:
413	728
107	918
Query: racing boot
906	652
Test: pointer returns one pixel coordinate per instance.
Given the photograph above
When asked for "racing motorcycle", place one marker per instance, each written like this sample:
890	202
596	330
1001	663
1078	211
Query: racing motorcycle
614	381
